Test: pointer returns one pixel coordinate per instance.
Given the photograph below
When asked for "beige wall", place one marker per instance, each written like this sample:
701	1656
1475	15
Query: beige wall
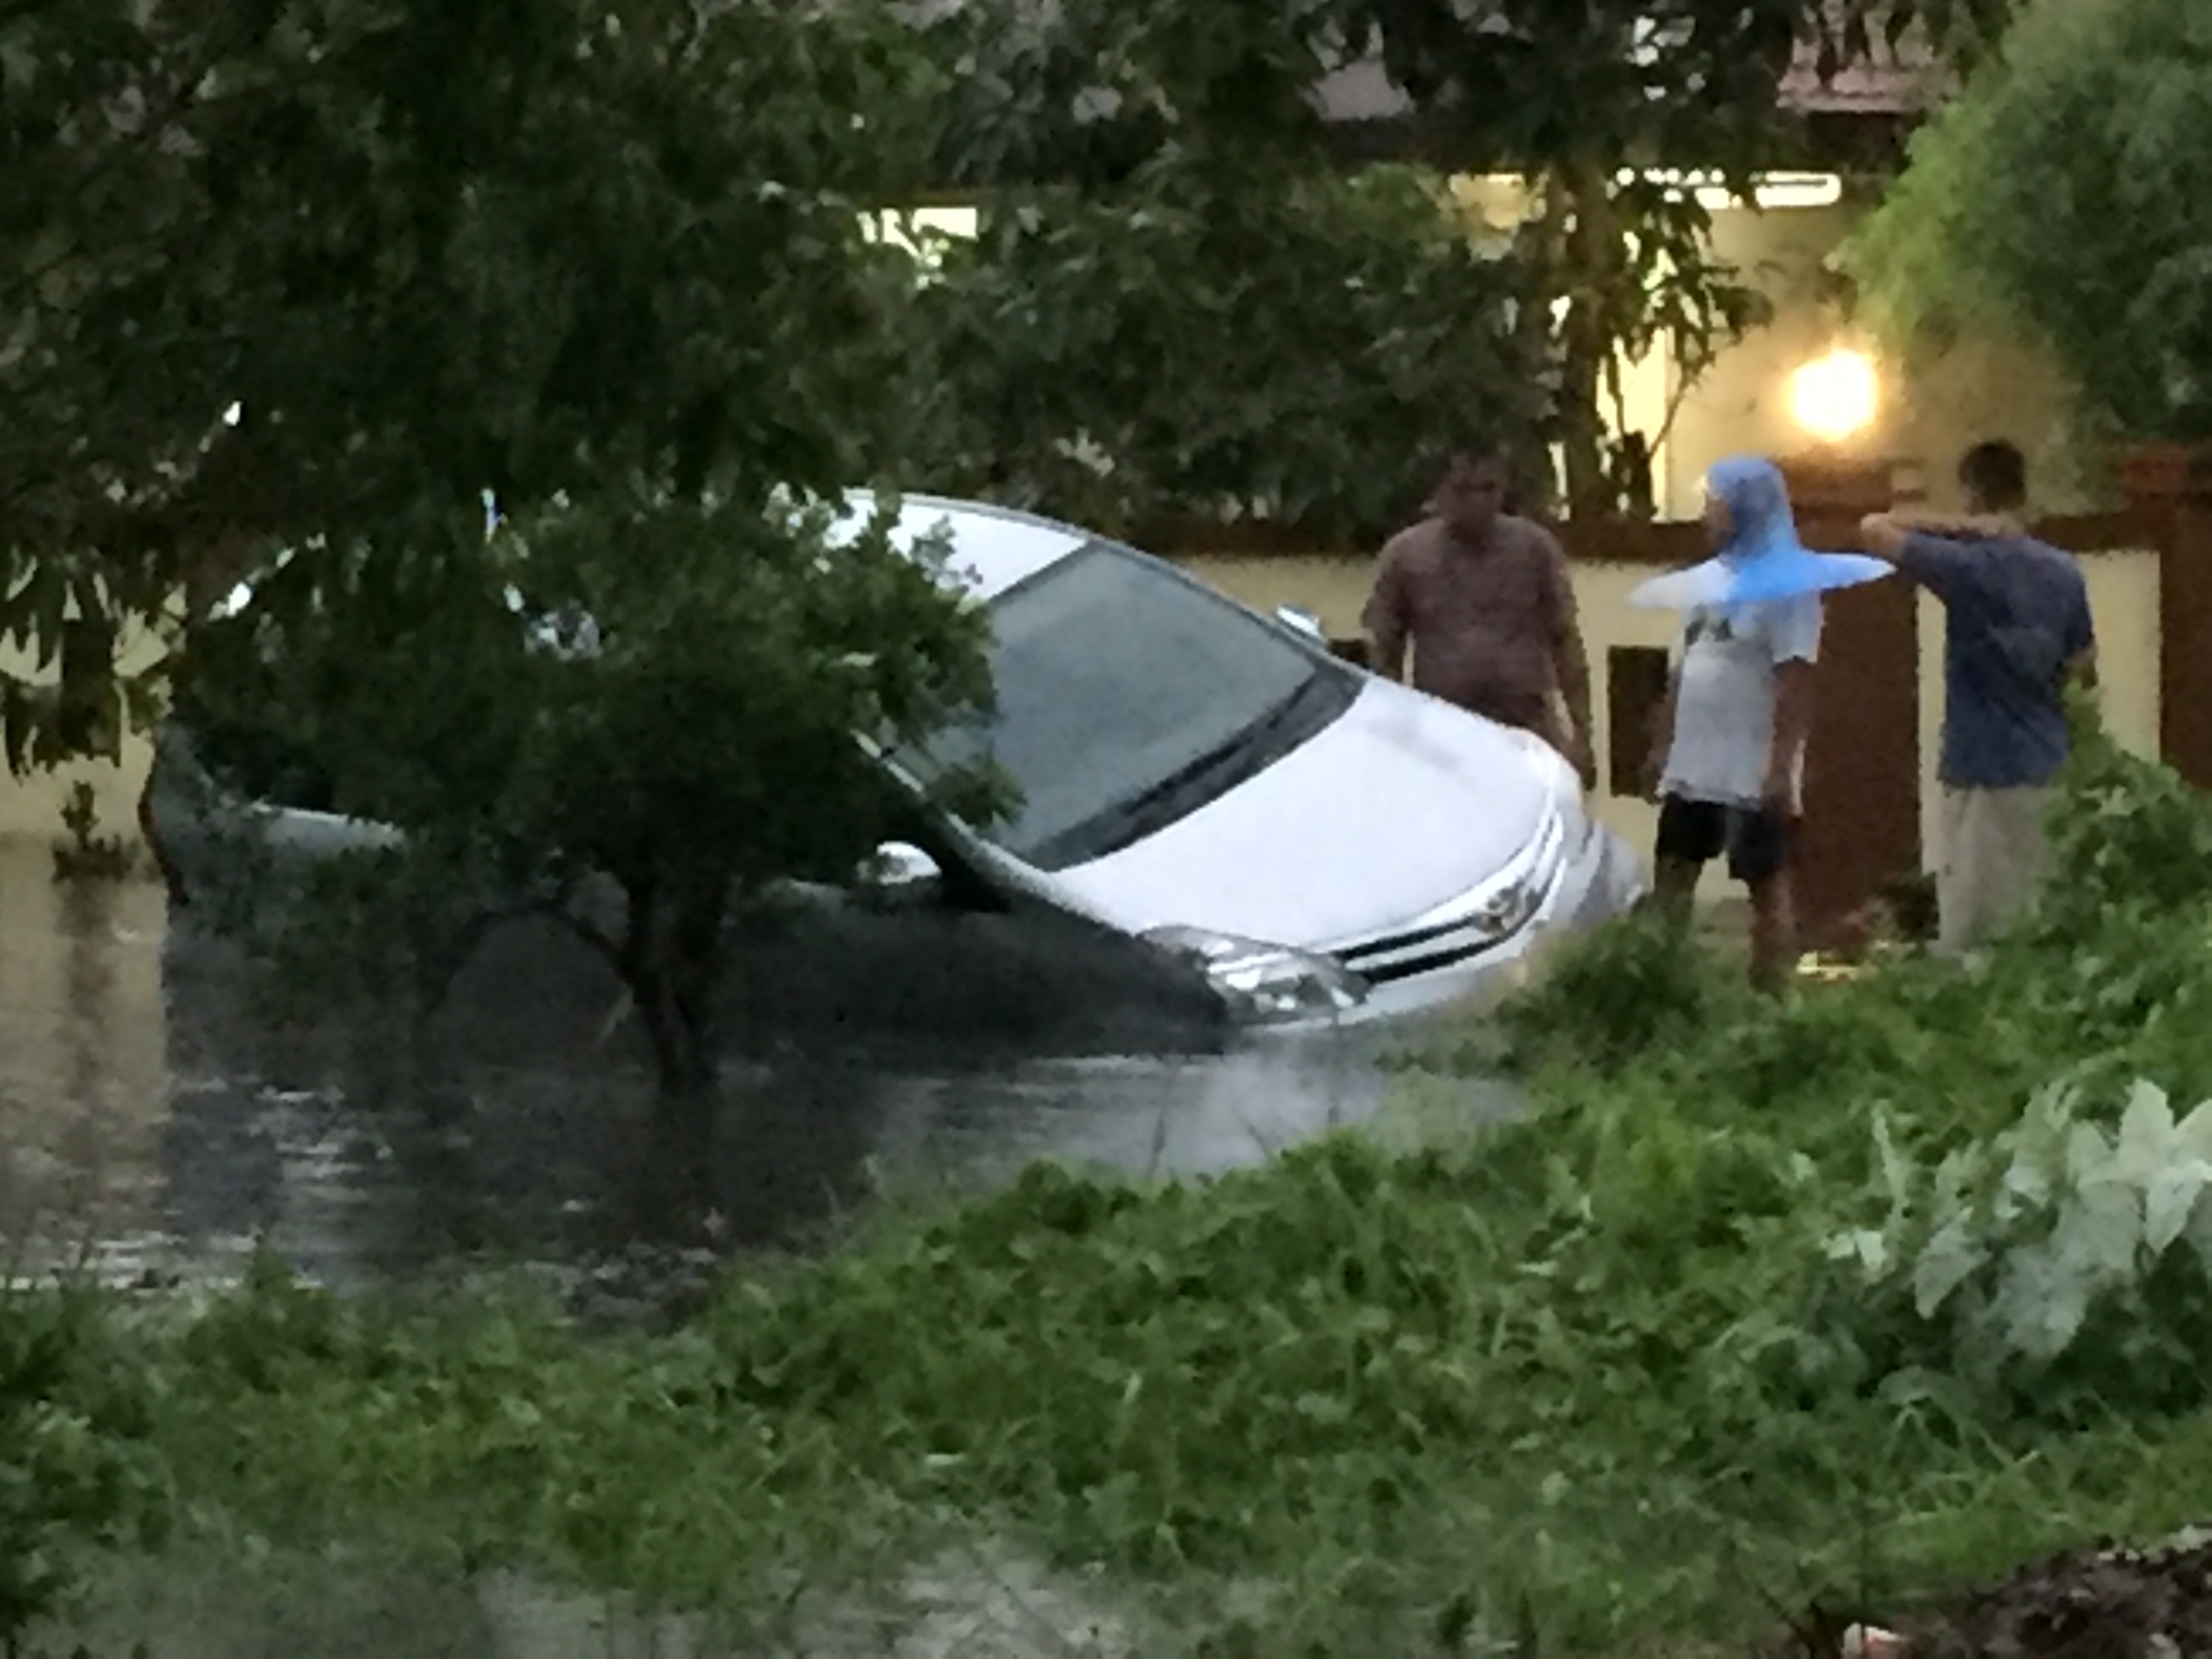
1929	414
1742	402
1930	410
32	806
1601	592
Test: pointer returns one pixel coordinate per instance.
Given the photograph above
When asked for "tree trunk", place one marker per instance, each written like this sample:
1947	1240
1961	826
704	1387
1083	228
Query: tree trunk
1594	264
1581	432
671	959
1542	242
683	1058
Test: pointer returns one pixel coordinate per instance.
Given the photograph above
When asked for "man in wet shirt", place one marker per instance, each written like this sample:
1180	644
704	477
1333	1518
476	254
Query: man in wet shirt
1485	601
2017	629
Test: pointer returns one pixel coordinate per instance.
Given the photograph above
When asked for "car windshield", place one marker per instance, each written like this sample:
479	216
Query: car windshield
1128	697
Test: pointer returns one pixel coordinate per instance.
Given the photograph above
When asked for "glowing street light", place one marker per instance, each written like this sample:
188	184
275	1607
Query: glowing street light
1836	398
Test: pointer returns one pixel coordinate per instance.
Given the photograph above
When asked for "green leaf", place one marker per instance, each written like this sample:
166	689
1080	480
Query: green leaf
1950	1258
2146	1144
2099	1233
2171	1201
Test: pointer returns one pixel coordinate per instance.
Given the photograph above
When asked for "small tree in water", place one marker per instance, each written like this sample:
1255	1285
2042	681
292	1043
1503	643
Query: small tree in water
709	736
675	695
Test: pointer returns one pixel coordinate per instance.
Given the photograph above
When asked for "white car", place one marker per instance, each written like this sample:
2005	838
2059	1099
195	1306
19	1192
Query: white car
1210	797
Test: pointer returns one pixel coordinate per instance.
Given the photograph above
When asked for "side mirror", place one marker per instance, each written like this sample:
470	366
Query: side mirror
901	874
1304	622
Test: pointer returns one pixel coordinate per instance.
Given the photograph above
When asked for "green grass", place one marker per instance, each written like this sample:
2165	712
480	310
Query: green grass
1593	1375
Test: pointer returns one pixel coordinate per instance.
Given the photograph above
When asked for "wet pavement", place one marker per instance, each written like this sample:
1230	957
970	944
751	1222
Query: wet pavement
154	1116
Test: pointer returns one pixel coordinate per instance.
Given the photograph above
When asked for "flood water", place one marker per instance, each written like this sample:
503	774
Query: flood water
153	1115
154	1122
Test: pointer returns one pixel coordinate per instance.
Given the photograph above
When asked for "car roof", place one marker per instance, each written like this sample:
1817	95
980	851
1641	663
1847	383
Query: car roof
993	547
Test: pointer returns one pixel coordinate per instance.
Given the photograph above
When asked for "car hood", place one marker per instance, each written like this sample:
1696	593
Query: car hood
1400	804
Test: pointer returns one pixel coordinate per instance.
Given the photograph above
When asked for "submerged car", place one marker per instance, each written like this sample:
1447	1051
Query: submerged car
1218	817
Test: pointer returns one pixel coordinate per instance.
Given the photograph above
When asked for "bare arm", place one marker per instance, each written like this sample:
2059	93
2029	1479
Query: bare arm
1386	653
1570	656
1659	735
1385	620
1883	535
1793	727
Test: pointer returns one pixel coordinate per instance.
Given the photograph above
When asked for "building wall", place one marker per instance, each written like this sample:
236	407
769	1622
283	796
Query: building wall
32	806
1930	410
1930	413
1741	403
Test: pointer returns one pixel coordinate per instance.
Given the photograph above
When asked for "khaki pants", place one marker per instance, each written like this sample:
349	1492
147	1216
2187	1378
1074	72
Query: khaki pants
1992	864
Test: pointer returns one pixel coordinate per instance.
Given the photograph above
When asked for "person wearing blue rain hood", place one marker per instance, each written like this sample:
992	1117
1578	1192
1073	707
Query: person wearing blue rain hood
1728	758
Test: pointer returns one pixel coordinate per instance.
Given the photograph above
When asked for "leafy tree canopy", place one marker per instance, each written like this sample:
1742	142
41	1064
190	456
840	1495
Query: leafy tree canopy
420	250
316	275
1164	350
2067	197
1083	89
1201	199
415	250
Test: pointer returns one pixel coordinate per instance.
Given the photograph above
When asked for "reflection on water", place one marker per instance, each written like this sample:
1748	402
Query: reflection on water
147	1111
83	1065
147	1107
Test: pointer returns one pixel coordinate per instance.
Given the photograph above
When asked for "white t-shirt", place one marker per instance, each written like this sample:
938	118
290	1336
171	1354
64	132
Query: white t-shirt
1724	696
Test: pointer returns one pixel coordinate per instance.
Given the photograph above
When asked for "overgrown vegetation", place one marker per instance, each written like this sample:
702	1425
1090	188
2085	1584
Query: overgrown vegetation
1760	1307
2065	198
77	1467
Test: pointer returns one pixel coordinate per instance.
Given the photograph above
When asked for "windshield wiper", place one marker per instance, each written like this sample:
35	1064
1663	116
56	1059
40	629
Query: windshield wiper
1319	698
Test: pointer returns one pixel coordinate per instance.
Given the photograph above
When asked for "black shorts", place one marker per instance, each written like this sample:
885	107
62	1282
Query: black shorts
1756	839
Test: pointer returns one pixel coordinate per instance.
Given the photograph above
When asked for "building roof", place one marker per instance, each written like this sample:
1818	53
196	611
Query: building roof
1903	82
1908	81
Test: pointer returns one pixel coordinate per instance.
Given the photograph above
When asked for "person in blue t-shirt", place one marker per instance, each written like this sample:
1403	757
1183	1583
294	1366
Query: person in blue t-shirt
2017	629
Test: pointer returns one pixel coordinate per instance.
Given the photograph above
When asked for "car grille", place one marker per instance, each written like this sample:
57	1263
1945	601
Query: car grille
1472	924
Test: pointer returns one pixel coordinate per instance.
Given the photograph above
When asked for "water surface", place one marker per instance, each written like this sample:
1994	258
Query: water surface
150	1111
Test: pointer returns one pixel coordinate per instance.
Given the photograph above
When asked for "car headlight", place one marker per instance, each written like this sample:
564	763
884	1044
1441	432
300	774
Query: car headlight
1265	984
